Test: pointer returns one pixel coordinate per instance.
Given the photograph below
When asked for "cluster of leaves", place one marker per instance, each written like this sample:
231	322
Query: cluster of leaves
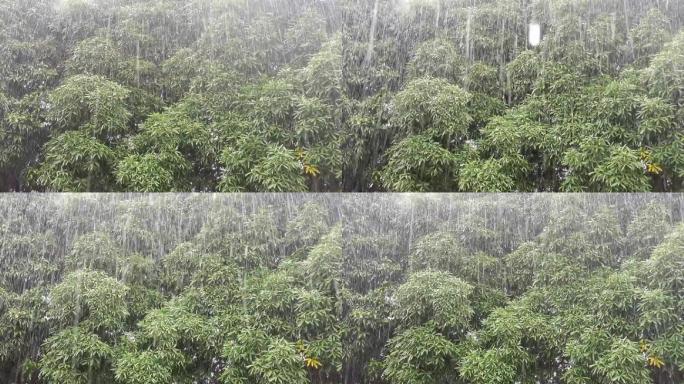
418	289
341	95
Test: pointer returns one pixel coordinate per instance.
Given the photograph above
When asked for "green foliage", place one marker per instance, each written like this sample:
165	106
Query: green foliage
308	226
74	356
418	163
75	162
621	171
144	173
666	260
488	366
523	72
435	297
484	176
174	143
96	56
92	103
610	168
95	251
483	78
142	368
322	76
278	171
324	262
173	326
432	106
91	299
437	58
420	355
623	364
439	251
279	364
663	78
650	35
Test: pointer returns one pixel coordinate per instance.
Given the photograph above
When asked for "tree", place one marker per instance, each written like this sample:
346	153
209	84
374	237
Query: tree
99	304
437	58
434	107
420	355
278	171
76	162
144	367
418	163
175	144
92	104
423	299
484	176
280	364
75	356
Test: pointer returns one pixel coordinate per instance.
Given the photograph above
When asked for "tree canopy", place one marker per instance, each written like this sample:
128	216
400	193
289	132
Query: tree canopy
341	95
377	289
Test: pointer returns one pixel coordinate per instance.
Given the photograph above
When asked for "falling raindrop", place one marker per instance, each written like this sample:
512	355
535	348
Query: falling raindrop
534	34
371	35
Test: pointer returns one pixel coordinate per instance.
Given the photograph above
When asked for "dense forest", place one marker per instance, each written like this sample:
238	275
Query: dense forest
341	95
376	289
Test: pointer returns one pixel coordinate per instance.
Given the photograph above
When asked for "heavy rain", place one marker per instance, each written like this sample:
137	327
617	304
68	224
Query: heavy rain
295	96
341	95
341	288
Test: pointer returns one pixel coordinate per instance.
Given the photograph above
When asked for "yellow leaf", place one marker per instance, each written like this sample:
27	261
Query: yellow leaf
311	170
655	361
654	168
313	362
